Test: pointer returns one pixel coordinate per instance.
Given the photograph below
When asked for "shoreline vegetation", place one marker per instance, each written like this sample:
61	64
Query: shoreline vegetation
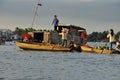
92	37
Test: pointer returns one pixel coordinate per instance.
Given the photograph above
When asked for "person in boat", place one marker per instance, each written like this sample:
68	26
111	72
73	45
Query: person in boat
55	22
64	38
111	37
26	37
83	36
117	46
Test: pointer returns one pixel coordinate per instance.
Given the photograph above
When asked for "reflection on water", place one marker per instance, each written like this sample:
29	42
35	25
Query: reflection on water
16	64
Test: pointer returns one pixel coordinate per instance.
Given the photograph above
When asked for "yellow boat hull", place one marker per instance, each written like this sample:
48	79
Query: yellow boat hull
92	50
41	46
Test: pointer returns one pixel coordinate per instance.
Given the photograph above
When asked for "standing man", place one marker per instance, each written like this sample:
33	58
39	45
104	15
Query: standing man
55	22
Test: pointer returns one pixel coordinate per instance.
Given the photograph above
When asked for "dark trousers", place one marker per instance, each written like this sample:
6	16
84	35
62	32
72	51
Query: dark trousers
111	44
55	28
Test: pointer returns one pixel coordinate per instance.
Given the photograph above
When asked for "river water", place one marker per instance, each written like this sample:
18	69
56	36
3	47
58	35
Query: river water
16	64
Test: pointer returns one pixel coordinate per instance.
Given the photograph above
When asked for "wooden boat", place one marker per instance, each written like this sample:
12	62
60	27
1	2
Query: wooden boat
55	47
48	41
98	51
41	46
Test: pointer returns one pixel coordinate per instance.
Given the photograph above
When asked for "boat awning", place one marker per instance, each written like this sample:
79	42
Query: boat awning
68	26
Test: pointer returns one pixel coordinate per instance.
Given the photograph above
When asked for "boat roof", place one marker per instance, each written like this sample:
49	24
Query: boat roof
68	26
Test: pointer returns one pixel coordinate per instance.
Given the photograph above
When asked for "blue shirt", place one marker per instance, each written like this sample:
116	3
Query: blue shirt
55	22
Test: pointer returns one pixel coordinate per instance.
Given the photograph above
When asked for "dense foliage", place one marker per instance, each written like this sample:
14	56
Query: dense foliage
20	31
100	36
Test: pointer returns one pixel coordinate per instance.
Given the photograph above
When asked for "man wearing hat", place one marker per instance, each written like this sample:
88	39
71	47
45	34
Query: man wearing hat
64	37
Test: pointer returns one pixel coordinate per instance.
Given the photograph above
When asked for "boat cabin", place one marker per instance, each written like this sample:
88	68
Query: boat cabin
75	33
70	27
40	36
53	37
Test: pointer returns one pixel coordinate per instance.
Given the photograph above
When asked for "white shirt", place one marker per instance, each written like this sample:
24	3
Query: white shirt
64	35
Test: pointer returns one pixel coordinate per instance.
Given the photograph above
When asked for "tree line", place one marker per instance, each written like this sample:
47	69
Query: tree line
92	37
101	36
20	31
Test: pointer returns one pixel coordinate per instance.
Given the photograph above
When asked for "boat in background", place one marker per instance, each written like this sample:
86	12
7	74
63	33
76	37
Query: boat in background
2	38
2	41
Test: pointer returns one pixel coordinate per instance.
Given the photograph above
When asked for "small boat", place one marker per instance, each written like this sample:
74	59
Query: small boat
99	51
41	46
2	38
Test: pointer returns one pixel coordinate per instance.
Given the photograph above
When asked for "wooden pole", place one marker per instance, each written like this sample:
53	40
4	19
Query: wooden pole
35	13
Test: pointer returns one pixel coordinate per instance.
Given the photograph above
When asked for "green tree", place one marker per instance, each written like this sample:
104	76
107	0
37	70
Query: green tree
97	36
117	35
20	31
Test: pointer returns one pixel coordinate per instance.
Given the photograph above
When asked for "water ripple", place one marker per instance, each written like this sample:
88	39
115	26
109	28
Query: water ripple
36	65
